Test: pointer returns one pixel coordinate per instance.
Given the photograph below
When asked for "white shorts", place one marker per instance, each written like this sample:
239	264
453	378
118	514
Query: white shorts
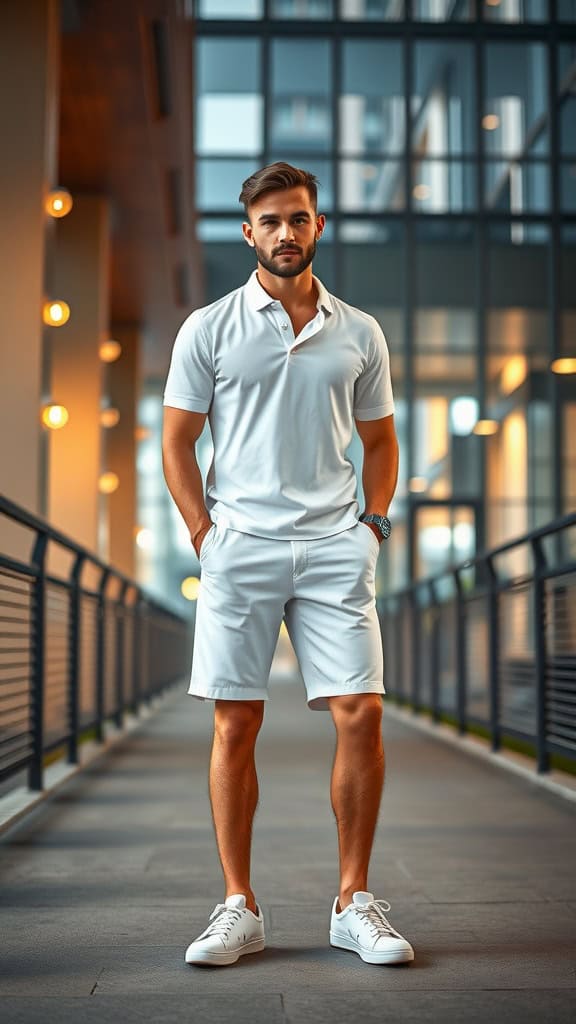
323	589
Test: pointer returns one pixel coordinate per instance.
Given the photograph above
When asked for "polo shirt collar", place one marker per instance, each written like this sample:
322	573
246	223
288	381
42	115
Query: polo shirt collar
258	297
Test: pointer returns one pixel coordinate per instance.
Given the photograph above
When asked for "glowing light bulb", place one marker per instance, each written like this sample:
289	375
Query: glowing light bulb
110	351
55	416
59	202
109	417
108	483
55	312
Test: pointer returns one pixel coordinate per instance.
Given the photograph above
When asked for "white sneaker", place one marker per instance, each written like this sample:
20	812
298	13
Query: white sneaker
363	928
234	931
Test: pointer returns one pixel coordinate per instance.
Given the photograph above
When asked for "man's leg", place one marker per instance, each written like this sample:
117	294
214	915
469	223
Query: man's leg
234	789
356	785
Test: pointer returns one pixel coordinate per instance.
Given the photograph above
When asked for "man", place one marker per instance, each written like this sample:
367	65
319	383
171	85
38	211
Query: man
283	368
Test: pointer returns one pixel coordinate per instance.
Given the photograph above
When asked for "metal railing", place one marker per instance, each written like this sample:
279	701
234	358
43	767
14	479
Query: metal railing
491	644
80	644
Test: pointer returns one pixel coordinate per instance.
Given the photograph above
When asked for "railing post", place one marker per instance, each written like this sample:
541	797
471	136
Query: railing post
461	667
136	653
494	631
399	619
119	660
539	626
434	653
74	659
100	654
415	633
38	611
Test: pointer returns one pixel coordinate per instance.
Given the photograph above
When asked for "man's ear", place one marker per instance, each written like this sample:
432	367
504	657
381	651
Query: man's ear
247	232
320	224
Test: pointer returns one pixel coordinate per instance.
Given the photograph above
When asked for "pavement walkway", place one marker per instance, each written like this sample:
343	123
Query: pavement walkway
104	884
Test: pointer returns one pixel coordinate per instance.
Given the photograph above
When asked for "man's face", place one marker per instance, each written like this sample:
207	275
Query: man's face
283	230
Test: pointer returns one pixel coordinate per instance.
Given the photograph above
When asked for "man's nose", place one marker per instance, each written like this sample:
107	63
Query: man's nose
287	233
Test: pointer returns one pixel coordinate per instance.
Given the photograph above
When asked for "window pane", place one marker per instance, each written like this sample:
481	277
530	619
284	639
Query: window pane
445	276
442	186
219	182
568	186
371	106
302	9
516	97
443	104
371	185
442	10
444	338
230	105
566	10
221	229
517	289
227	265
228	65
372	10
235	9
517	187
322	169
229	124
567	97
517	10
567	291
301	104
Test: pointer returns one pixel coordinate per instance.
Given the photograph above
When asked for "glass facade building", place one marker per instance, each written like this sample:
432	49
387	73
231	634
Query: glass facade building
443	133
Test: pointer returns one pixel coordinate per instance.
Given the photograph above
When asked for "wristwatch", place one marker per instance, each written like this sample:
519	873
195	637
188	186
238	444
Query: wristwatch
382	522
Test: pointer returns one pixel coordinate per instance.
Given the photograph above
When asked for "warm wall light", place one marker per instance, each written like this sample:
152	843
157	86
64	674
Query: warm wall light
417	483
486	427
55	416
109	417
142	433
514	373
59	202
110	351
421	192
144	537
490	122
108	483
55	312
190	588
565	364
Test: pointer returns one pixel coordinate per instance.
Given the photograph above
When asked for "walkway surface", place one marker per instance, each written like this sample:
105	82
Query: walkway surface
104	885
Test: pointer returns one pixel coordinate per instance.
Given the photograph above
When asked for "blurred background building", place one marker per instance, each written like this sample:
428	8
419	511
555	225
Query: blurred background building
443	133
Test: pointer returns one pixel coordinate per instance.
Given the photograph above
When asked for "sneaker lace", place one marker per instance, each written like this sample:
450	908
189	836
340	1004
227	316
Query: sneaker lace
374	914
225	918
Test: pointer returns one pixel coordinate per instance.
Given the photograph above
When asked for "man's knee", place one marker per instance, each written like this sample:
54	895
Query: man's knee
237	722
357	713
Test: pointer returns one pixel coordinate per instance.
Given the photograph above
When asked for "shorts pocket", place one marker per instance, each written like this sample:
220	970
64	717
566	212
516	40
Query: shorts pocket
375	540
207	542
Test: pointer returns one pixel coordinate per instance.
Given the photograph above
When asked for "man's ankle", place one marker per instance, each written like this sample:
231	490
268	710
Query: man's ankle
250	899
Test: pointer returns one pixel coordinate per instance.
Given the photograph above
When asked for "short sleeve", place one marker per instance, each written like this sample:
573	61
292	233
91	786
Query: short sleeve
190	380
373	396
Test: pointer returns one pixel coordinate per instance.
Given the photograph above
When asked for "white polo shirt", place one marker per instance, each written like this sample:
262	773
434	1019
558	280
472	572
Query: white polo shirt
281	408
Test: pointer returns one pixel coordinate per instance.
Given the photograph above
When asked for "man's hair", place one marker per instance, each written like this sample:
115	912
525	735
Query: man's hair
274	178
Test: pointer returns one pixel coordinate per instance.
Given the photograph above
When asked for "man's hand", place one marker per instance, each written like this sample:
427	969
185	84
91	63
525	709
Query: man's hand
199	537
375	531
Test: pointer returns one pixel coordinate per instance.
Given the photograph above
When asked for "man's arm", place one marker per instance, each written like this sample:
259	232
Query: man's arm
181	430
380	467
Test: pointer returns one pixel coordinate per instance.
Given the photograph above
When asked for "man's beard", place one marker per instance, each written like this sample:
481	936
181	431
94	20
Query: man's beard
289	269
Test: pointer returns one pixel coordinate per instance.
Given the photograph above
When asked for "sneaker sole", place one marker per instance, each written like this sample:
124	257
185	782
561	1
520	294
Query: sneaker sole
393	956
226	957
